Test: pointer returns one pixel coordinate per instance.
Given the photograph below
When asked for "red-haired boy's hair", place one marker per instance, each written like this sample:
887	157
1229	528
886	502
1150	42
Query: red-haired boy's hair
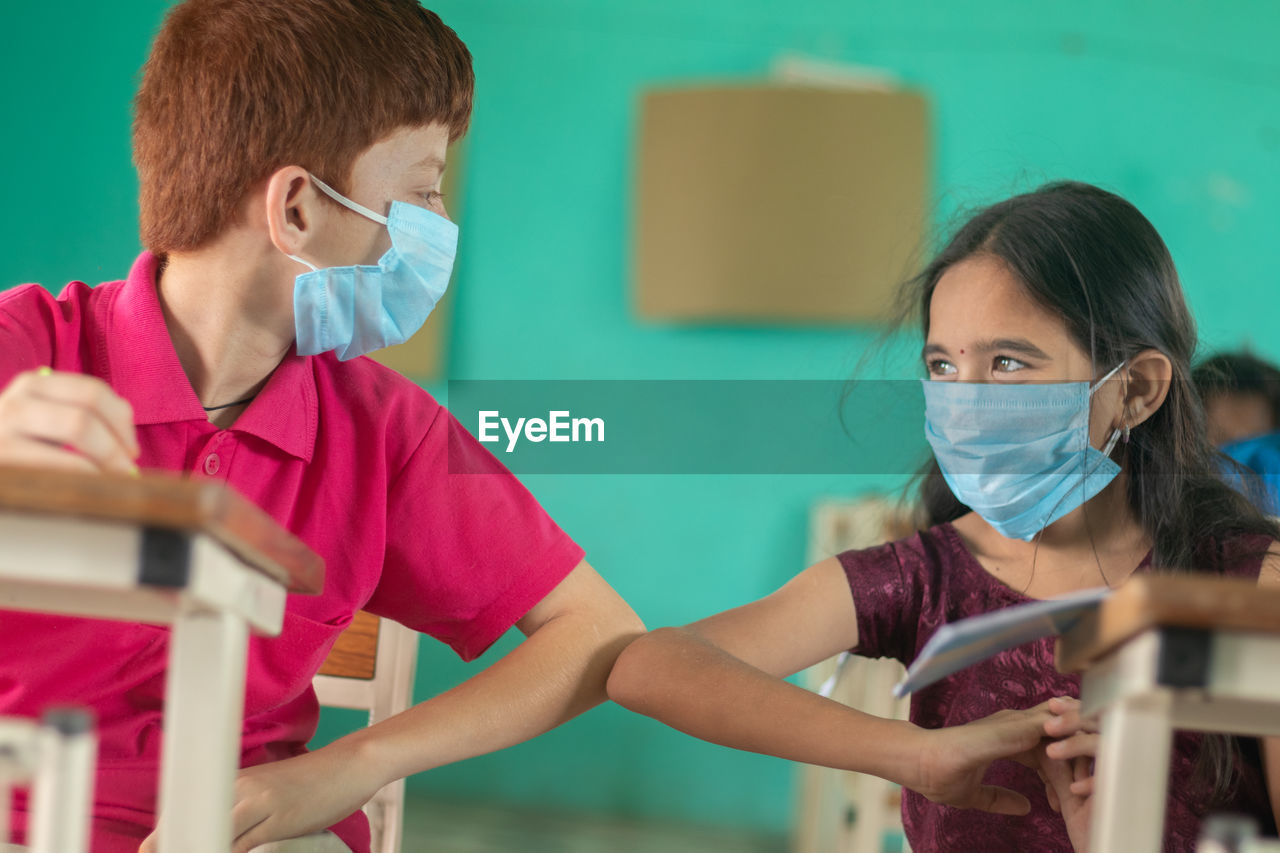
236	89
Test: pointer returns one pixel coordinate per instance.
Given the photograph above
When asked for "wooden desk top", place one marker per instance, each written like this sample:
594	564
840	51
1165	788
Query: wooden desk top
165	500
1184	601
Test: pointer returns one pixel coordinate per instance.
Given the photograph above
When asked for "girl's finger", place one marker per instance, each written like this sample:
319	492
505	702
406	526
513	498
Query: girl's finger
1062	725
1079	744
1083	787
1063	704
990	798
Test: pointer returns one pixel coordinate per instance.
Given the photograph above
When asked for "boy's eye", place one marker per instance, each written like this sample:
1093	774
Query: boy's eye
433	197
940	367
1005	364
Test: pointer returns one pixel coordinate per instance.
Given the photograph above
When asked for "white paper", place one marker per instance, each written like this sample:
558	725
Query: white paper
977	638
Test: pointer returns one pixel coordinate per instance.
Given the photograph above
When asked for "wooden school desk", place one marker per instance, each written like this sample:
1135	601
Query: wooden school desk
192	554
1164	653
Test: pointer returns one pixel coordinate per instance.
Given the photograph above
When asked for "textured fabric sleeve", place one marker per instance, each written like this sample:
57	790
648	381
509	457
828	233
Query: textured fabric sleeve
1260	455
886	600
469	550
26	339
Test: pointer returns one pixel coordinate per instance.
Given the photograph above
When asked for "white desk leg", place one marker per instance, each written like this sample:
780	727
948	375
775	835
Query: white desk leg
204	707
1132	771
62	791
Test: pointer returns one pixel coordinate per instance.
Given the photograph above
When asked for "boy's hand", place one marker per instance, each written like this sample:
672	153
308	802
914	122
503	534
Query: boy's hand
297	796
954	760
66	420
1066	765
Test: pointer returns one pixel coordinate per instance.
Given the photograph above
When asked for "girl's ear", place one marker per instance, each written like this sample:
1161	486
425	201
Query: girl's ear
1147	377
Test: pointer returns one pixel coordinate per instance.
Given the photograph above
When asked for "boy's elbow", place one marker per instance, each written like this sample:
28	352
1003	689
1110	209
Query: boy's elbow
635	671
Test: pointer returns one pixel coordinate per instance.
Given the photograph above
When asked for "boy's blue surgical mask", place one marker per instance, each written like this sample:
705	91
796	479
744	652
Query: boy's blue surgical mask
1018	455
357	309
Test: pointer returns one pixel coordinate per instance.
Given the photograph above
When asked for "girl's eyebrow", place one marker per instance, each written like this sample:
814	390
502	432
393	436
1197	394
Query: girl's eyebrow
1021	346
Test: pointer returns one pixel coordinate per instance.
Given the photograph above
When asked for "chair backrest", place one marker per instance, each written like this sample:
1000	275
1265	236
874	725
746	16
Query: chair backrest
371	667
842	812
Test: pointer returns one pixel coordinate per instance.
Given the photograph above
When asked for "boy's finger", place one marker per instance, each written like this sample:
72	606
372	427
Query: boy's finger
38	454
91	393
70	425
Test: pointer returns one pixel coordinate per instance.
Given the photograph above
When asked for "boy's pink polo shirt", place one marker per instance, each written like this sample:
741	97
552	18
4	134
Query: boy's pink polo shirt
350	456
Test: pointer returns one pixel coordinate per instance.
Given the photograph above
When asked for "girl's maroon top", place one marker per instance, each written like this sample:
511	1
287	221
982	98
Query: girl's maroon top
904	591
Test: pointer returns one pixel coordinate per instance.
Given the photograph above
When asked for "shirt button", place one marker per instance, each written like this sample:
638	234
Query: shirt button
211	464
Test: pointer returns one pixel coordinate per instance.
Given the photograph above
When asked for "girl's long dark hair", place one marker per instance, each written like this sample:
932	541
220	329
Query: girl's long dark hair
1092	258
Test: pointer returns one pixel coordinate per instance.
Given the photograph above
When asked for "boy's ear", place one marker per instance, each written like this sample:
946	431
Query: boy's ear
292	206
1147	377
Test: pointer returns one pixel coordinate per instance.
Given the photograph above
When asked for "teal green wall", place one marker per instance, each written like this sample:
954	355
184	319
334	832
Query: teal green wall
1175	105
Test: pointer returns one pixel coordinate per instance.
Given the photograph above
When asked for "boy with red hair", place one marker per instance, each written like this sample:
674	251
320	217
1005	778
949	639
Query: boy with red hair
290	154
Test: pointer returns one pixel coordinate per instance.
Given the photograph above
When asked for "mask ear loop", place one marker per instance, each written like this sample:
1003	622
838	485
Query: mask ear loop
305	263
1109	446
348	203
345	202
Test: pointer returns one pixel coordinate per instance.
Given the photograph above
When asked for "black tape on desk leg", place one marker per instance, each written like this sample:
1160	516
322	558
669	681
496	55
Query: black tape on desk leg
1184	657
166	558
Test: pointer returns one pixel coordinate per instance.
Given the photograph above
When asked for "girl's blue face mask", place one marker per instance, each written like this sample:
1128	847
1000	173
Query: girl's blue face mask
354	310
1018	455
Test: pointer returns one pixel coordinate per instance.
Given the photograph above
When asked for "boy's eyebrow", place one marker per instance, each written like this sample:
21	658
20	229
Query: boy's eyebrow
430	160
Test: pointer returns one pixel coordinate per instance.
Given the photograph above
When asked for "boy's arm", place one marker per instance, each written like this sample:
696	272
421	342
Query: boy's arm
573	636
720	679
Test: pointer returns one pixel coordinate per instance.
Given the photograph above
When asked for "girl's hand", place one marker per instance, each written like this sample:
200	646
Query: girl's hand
1066	765
954	760
297	796
66	420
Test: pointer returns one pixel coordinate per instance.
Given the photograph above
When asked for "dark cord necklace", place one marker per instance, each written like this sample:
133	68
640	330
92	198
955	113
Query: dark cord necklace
229	405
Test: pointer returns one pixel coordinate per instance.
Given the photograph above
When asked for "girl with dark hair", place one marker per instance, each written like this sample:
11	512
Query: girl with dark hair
1069	452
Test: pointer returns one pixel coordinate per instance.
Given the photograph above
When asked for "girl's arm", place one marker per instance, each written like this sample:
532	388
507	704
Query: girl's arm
1270	577
720	679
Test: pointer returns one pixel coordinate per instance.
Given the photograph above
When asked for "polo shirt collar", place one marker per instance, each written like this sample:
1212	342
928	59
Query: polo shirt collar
143	367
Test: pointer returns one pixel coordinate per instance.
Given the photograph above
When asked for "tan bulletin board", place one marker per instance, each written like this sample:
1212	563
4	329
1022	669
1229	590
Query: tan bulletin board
778	203
422	357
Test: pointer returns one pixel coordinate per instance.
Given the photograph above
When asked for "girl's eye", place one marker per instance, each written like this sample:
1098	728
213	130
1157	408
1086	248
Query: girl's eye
940	367
433	197
1005	364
